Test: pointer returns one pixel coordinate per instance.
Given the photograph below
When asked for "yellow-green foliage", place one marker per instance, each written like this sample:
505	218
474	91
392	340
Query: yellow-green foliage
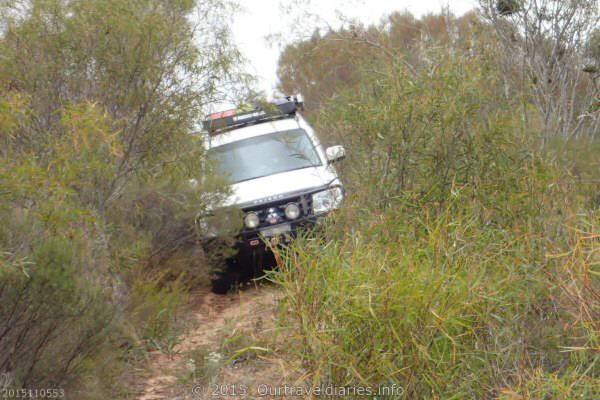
98	242
459	267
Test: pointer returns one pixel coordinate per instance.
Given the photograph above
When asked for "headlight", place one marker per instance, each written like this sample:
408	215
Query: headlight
327	200
222	222
207	230
251	220
292	211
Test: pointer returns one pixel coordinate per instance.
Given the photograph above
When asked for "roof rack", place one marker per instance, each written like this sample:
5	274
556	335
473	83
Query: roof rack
230	119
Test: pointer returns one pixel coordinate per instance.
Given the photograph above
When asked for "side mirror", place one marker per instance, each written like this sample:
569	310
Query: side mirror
335	153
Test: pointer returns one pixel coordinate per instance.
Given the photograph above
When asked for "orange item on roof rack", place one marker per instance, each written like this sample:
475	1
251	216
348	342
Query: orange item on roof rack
230	119
222	114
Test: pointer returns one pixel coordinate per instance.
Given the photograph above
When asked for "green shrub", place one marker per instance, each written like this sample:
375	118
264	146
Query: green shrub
445	273
53	319
154	310
99	238
457	310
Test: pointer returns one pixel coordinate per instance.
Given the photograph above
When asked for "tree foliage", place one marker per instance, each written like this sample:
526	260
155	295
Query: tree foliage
330	61
545	43
464	261
99	101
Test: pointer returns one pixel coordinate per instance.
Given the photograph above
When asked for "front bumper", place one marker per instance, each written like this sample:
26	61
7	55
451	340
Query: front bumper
274	235
267	235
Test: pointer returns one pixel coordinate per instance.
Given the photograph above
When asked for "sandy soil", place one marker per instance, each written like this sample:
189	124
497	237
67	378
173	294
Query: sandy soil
230	350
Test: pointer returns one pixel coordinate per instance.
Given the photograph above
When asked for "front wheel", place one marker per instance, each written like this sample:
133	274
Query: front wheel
240	269
222	283
230	277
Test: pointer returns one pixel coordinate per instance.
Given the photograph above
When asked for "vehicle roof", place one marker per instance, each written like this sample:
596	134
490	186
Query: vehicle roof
249	131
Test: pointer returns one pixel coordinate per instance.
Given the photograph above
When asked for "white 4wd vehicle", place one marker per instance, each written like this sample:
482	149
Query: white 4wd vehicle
281	176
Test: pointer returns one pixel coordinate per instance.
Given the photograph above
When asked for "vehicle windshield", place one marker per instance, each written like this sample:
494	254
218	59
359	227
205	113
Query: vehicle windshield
266	155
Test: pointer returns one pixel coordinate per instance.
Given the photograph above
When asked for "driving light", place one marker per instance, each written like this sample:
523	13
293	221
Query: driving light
327	200
292	211
251	220
272	216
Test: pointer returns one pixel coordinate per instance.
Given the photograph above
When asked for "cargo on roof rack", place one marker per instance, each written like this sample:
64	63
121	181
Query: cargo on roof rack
230	119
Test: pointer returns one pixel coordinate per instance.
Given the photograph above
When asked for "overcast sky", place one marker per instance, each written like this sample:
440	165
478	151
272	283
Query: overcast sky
260	19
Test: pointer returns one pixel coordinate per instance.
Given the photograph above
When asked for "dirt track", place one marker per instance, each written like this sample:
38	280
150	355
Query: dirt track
208	354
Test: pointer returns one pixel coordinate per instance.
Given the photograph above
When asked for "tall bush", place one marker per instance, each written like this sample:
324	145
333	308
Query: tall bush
99	101
445	273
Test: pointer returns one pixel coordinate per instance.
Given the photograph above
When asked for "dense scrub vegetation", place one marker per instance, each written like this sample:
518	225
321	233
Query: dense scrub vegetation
98	240
465	262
